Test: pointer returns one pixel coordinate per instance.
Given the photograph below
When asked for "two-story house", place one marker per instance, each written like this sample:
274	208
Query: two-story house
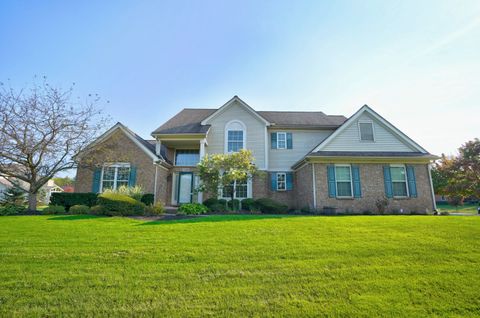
311	159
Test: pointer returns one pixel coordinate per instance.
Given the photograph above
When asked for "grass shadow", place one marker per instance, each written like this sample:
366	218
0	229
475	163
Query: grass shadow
74	217
218	218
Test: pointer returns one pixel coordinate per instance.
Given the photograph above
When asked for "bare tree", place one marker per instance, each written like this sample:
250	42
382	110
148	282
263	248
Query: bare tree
41	129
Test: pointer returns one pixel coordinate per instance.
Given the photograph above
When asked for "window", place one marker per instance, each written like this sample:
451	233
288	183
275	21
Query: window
281	140
235	140
281	181
187	157
241	190
366	131
114	176
343	177
399	181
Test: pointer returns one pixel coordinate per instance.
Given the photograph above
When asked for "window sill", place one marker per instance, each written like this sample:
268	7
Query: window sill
344	198
401	198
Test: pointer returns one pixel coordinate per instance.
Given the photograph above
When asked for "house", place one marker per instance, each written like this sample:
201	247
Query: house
312	159
43	195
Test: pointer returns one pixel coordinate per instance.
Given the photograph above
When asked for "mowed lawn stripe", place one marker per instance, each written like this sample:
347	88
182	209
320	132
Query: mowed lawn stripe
240	266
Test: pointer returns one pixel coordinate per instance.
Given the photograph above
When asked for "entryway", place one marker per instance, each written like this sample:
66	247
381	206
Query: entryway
185	187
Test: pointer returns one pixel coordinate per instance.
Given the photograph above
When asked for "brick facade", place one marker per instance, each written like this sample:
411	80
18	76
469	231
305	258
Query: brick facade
372	185
303	183
261	188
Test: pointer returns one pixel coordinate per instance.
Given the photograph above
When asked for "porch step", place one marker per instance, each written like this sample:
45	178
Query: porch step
171	209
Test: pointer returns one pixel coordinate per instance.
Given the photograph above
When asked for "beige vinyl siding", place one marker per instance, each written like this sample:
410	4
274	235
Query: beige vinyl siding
255	132
303	141
349	139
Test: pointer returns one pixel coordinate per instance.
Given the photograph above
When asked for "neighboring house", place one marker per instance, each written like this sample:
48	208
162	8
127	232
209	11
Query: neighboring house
43	195
68	188
312	160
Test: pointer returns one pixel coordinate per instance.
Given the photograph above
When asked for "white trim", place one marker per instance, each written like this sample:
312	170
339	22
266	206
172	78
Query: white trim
228	104
155	185
115	165
284	134
266	163
406	180
366	109
336	181
284	180
174	188
360	131
314	186
244	129
429	167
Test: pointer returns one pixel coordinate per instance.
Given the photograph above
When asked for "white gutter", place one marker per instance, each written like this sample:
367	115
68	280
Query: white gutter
431	186
314	186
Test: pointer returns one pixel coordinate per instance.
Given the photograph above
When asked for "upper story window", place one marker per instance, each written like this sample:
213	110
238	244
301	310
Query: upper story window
343	178
281	140
399	181
366	131
187	157
235	136
115	176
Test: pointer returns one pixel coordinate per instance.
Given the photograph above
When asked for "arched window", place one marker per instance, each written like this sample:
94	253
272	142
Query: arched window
235	136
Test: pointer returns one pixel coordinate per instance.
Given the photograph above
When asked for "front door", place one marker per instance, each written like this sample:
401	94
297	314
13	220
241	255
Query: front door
185	187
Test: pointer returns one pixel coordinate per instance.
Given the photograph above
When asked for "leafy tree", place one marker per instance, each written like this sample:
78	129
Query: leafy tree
65	181
41	129
219	171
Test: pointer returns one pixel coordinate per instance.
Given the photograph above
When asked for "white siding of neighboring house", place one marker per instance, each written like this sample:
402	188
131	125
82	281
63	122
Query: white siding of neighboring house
303	141
255	137
349	139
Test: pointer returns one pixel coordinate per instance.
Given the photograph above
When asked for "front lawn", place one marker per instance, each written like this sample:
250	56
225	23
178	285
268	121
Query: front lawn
240	265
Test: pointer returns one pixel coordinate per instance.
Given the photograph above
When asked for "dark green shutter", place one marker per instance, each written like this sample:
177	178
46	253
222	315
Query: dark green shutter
273	138
133	176
357	189
273	181
97	176
387	177
289	141
332	191
289	176
412	184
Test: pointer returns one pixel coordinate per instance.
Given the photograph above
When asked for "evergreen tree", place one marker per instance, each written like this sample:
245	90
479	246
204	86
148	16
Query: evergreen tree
14	195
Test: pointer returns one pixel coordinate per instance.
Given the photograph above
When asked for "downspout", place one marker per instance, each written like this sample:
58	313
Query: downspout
155	184
314	187
431	186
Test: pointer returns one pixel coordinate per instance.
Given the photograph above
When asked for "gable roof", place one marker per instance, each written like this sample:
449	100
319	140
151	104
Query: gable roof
229	104
375	115
147	146
189	120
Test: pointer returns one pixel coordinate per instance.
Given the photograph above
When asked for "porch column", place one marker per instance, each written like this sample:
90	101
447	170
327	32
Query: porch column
158	147
202	154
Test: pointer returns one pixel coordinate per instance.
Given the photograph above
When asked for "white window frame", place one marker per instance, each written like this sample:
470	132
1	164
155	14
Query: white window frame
244	134
351	181
360	131
406	180
284	181
116	166
284	134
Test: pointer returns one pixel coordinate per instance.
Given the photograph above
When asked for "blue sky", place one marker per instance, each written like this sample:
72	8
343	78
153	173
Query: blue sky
415	62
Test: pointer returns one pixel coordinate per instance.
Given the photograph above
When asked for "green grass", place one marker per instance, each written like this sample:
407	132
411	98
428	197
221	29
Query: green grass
466	208
361	266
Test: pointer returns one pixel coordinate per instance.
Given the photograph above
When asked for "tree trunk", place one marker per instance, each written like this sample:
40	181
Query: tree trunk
32	201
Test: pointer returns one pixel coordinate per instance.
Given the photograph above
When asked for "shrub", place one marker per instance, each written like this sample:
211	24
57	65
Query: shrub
192	209
269	206
97	210
116	204
381	204
217	207
11	209
249	205
135	192
68	199
223	202
148	199
210	201
154	209
234	204
54	209
79	209
306	209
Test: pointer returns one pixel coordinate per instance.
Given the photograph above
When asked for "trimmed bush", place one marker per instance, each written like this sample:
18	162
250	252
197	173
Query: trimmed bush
249	205
11	209
135	192
223	202
147	199
154	209
234	204
68	199
97	210
116	204
54	209
269	206
79	209
192	209
209	202
217	207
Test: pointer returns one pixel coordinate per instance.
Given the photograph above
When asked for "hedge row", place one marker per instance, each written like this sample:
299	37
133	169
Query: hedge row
264	205
68	199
